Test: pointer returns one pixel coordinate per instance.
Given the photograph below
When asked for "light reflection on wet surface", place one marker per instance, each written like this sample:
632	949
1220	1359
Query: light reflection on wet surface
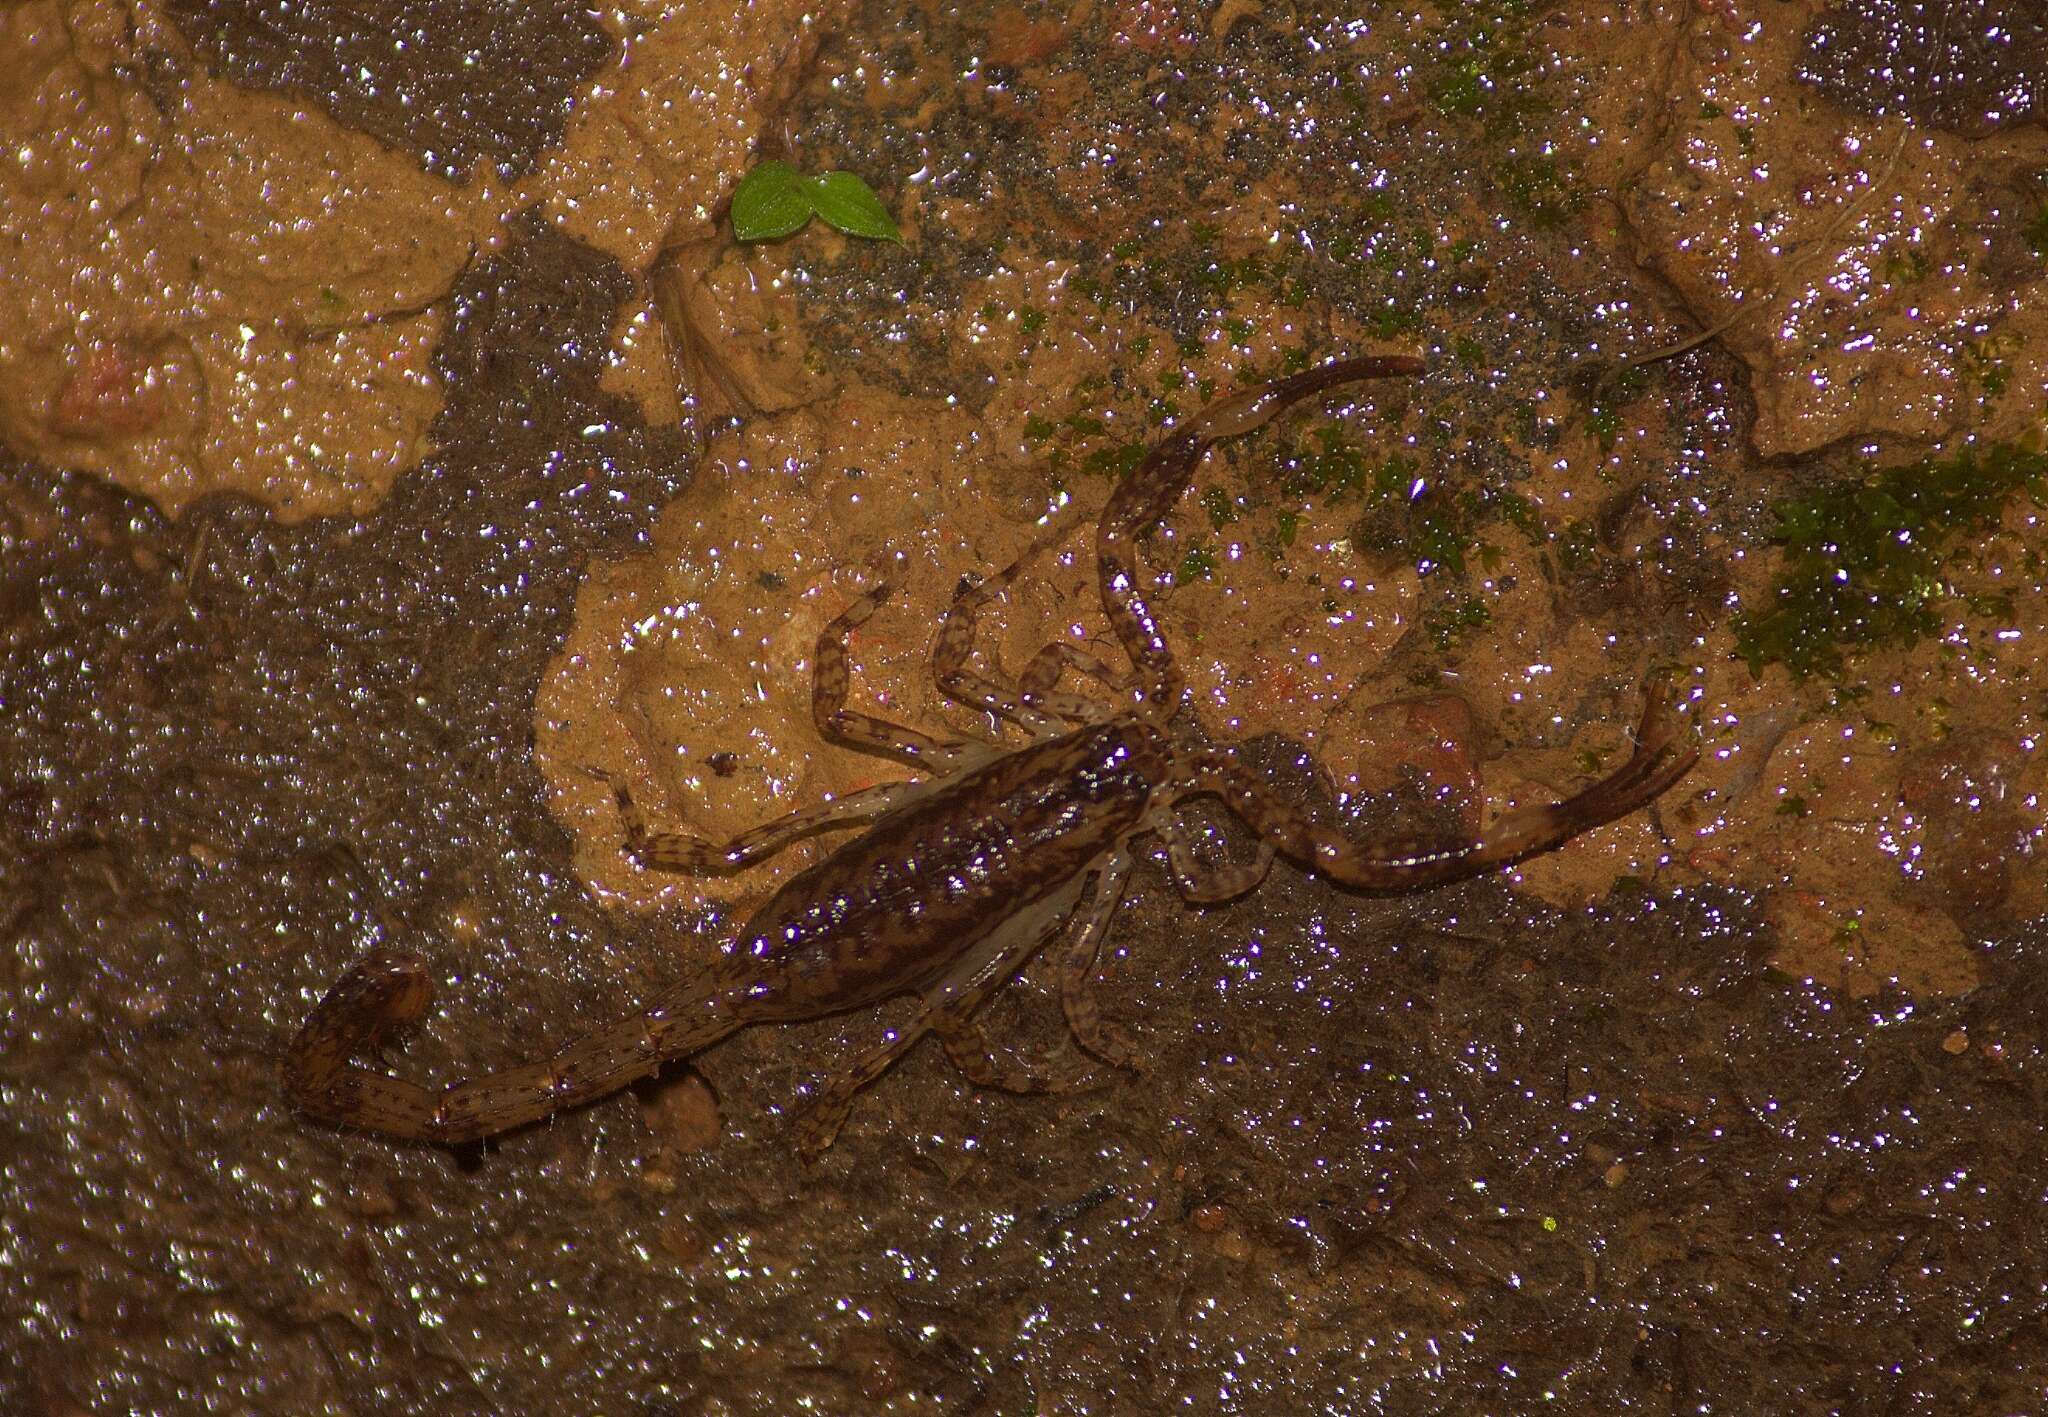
1476	1151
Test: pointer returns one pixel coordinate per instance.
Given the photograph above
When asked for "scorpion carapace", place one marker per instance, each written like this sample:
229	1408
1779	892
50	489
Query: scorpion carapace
959	878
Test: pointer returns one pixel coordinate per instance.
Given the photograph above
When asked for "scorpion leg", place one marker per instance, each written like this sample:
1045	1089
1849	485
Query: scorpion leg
829	682
1660	759
1148	492
949	1004
1200	883
390	989
954	648
820	1126
1042	675
971	1052
1077	968
665	848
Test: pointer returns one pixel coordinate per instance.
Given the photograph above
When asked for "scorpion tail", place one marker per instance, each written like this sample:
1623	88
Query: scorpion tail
390	989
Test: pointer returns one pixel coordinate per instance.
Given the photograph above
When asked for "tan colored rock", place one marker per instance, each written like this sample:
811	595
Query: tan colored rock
732	326
1848	261
209	289
653	151
213	289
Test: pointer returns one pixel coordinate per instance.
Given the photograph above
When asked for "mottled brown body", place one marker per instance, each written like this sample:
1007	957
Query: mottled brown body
957	880
901	904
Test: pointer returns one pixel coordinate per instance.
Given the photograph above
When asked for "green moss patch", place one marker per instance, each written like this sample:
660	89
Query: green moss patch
1866	557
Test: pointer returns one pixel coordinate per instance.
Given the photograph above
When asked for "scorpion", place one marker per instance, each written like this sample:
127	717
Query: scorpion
961	876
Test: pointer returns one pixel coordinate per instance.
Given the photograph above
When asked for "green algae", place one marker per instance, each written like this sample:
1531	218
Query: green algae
1867	557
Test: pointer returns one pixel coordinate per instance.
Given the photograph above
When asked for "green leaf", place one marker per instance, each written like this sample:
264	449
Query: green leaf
775	200
851	205
771	201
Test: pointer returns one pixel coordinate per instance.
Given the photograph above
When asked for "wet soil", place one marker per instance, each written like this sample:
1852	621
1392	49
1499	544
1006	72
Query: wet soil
453	86
1740	1106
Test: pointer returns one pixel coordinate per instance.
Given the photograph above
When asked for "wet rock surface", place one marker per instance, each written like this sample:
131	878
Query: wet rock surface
1976	835
454	85
1487	1149
1970	66
222	729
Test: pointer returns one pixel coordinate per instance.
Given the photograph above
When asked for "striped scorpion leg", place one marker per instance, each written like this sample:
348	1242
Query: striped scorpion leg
667	847
1040	679
953	651
662	847
1077	966
1149	491
829	683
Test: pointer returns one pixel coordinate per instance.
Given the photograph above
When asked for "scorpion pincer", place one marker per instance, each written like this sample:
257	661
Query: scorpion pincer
959	877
